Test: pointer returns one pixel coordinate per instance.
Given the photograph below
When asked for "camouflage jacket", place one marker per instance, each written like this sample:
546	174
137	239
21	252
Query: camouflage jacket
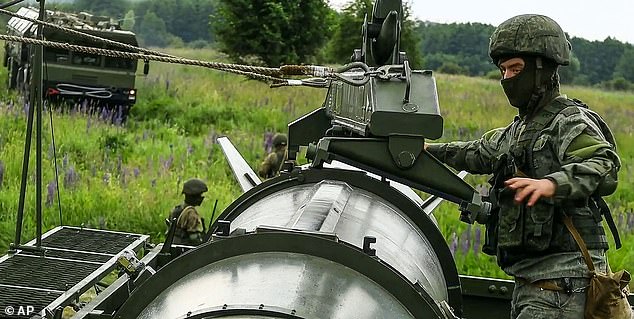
189	226
271	165
584	159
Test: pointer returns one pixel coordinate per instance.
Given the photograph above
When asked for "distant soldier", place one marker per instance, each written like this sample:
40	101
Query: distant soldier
189	225
273	162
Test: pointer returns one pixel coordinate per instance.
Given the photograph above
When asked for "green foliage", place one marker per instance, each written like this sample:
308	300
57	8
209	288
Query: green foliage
186	19
598	59
465	44
568	74
113	8
347	34
452	68
129	21
152	30
347	31
618	83
276	32
625	66
493	75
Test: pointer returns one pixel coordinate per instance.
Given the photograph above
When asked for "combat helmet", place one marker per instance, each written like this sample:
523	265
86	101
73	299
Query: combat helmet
530	34
280	140
194	186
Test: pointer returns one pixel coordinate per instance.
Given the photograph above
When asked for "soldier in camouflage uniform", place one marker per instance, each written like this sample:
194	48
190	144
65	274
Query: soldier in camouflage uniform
272	164
557	158
189	226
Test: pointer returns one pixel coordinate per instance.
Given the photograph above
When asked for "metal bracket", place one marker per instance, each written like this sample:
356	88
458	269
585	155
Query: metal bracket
405	150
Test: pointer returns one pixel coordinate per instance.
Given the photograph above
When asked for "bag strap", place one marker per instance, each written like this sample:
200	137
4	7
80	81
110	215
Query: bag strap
580	242
604	210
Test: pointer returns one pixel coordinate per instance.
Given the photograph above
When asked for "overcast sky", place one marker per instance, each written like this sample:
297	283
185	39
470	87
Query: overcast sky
591	20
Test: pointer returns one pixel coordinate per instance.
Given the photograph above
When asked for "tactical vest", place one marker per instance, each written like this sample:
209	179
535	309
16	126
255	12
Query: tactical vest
524	231
182	236
276	165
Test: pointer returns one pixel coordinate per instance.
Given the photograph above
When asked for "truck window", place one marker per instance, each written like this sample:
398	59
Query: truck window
56	55
86	59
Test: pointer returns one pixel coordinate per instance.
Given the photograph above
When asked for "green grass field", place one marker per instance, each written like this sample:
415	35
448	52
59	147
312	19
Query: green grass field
128	178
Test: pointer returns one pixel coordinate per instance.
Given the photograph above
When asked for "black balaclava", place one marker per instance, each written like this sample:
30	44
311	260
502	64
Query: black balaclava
537	84
194	200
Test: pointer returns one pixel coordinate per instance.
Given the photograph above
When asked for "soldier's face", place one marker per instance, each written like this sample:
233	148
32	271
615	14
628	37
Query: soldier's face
511	67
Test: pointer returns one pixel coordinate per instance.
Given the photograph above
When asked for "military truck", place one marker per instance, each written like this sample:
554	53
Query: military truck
68	74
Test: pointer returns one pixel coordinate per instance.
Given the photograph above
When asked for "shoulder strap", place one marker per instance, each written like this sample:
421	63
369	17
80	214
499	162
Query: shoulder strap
580	242
281	158
605	211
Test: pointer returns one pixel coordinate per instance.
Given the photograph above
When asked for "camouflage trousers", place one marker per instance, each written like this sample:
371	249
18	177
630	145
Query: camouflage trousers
531	301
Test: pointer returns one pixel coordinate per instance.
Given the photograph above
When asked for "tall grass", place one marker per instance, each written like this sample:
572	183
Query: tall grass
129	177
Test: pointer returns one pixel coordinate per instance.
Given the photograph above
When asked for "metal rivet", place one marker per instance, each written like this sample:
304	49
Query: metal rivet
493	289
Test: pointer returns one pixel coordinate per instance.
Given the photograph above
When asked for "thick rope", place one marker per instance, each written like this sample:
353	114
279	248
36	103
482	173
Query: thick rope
269	74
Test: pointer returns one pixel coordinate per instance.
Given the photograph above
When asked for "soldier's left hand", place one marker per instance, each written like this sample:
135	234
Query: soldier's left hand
535	188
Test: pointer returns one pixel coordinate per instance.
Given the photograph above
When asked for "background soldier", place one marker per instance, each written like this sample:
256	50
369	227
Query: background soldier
273	161
189	225
556	159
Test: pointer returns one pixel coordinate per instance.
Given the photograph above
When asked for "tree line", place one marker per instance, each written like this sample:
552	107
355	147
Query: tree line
272	32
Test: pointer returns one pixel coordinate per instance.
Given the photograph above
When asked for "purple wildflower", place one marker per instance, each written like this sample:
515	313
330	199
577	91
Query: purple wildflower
50	194
268	142
118	118
190	149
70	177
123	175
105	114
167	164
106	178
136	172
65	161
477	236
454	244
465	241
619	222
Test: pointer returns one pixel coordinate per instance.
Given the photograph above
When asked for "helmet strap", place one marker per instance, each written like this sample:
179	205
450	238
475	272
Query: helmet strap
540	87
